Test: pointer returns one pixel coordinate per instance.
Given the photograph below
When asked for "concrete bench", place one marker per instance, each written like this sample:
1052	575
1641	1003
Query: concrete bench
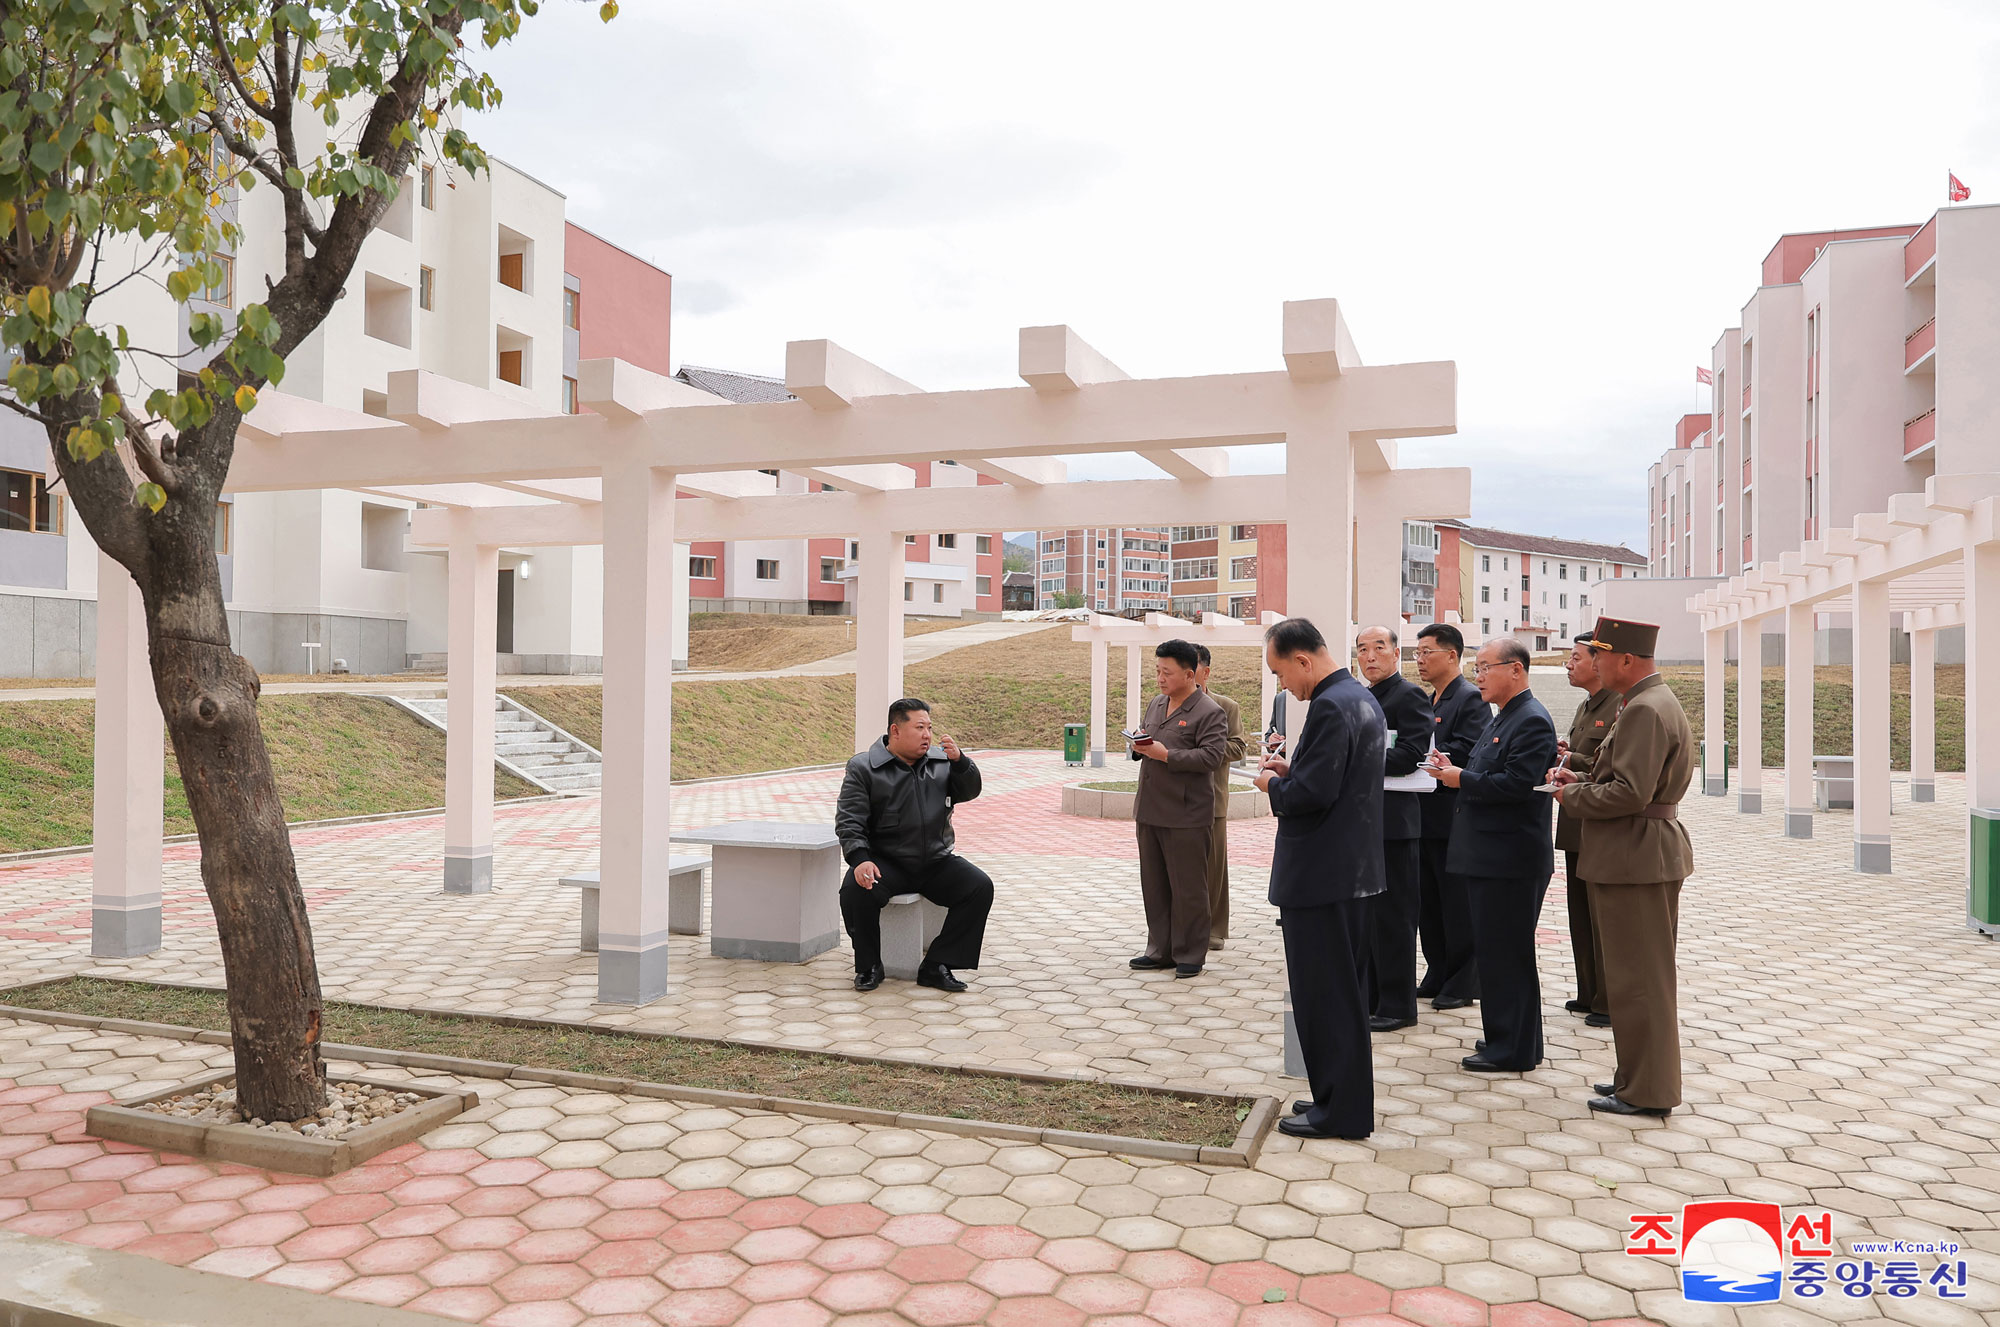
683	899
775	895
909	923
1833	782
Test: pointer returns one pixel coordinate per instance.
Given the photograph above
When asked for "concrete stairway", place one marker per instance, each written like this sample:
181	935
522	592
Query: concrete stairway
525	744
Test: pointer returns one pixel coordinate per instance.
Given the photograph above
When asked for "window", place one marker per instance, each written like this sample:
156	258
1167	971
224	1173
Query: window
1563	631
937	593
26	503
1486	562
219	531
1545	596
1506	564
1562	601
1503	594
572	300
701	569
1242	533
1052	545
767	569
1182	534
569	406
427	279
427	187
1243	569
985	586
1562	571
223	292
1195	569
982	544
947	541
772	473
829	571
1545	566
1485	594
1100	543
909	592
517	261
1583	601
909	539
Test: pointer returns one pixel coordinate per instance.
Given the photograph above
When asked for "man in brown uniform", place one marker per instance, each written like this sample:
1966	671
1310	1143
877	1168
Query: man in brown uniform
1184	735
1587	731
1218	848
1635	854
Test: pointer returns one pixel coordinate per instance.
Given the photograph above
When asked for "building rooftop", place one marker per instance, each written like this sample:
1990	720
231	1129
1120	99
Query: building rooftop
1018	580
742	388
1486	537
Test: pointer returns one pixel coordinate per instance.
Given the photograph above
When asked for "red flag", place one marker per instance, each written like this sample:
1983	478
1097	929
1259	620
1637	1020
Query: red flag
1704	376
1955	188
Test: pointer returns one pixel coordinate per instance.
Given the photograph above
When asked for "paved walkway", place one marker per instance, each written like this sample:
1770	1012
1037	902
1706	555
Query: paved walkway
1840	1050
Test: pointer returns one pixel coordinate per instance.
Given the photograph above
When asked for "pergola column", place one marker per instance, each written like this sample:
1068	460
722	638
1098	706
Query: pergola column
878	634
1132	688
1750	717
1871	726
638	733
1378	571
1923	715
1799	721
1982	734
1319	532
1714	676
472	578
128	778
1100	668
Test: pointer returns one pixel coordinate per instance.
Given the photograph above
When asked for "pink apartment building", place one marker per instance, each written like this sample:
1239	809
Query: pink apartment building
1123	571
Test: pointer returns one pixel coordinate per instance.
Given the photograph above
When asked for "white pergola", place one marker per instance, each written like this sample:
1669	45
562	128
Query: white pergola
657	461
1931	561
1215	630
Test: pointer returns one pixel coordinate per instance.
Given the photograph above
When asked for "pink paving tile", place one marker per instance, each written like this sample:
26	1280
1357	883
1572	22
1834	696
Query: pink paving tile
620	1194
347	1209
424	1219
540	1281
134	1207
12	1207
399	1155
499	1200
394	1257
1343	1294
319	1277
632	1223
694	1204
1034	1311
845	1219
766	1213
474	1267
701	1308
27	1183
1246	1282
511	1170
481	1232
224	1186
542	1313
284	1198
626	1257
797	1313
249	1263
259	1228
371	1178
326	1242
178	1249
1000	1242
1192	1307
776	1244
13	1148
58	1156
430	1189
778	1280
1286	1314
944	1305
465	1303
1166	1269
933	1262
1533	1315
619	1294
915	1229
562	1213
196	1216
165	1178
860	1292
1080	1254
553	1245
75	1195
27	1096
1099	1293
854	1253
1016	1276
1391	1320
701	1271
1435	1306
109	1234
870	1320
705	1235
113	1167
569	1183
388	1291
47	1224
444	1161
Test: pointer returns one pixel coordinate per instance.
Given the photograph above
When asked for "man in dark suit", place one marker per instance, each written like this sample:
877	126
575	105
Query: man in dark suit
1444	913
1187	738
1502	847
1325	868
1392	919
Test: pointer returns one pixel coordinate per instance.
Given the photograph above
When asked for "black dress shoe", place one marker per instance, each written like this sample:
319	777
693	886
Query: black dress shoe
1479	1045
1576	1006
938	977
1451	1002
1425	990
1185	970
869	980
1598	1021
1147	963
1614	1105
1604	1089
1387	1023
1479	1064
1296	1126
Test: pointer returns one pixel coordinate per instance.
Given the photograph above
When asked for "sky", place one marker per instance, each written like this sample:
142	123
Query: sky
1570	201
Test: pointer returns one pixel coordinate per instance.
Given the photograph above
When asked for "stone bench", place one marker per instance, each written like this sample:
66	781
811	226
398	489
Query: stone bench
684	876
909	923
775	893
1833	782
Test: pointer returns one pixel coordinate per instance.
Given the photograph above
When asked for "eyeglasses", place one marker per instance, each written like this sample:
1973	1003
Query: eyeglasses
1480	668
1430	654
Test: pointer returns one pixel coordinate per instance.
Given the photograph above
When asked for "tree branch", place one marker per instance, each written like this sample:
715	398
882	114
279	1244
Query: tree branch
228	65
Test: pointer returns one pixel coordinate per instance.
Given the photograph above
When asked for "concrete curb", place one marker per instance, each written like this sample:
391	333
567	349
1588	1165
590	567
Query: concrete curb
1241	1153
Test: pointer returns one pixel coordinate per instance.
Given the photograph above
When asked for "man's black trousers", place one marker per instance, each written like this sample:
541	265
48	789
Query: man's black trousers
1445	927
1325	948
950	882
1504	912
1392	933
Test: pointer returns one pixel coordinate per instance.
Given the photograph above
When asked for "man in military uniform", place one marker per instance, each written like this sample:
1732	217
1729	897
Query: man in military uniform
1635	854
1218	847
1587	731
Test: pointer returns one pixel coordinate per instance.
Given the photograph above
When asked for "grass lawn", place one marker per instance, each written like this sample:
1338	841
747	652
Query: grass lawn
335	755
688	1062
752	642
1833	711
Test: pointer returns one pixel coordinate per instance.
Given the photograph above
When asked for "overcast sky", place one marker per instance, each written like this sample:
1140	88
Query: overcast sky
1571	201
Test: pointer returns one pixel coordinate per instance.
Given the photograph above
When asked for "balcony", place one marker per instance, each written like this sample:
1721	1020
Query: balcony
1920	433
1746	472
1746	397
1920	252
1919	346
1746	550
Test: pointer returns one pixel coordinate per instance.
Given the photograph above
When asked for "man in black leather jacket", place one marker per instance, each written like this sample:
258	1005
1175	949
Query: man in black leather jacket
894	823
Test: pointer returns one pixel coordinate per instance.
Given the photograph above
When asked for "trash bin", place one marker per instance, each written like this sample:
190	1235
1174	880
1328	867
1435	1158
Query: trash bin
1073	743
1704	766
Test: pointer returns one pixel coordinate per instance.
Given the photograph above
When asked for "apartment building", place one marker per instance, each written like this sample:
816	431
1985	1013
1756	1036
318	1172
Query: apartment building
1859	367
1539	589
1122	571
1213	570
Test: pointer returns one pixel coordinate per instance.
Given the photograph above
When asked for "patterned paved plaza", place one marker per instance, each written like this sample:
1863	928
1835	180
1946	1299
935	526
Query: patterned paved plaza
1841	1053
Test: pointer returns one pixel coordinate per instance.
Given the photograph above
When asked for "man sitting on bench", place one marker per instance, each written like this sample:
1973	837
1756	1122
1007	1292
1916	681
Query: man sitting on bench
894	823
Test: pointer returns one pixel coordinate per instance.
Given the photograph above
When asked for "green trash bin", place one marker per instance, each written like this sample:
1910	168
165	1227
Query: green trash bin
1704	766
1073	743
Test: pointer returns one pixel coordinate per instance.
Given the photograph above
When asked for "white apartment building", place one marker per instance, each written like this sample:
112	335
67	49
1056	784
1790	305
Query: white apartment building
1119	570
1538	589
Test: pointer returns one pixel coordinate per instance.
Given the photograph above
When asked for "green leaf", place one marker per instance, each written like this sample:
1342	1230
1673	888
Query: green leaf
246	398
150	496
1612	1185
1243	1112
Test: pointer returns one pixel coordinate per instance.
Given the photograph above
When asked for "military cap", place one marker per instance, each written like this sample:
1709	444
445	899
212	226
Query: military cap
1619	636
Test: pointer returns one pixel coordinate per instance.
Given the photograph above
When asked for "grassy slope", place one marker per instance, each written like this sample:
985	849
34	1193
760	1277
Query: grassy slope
1833	712
749	642
335	755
